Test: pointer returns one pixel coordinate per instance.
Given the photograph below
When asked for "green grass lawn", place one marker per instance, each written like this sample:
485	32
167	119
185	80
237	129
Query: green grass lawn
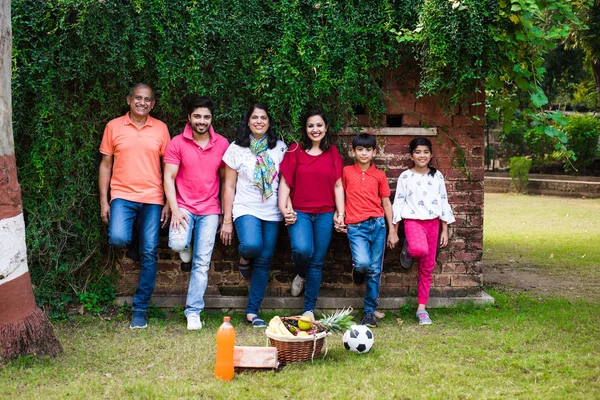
559	236
523	347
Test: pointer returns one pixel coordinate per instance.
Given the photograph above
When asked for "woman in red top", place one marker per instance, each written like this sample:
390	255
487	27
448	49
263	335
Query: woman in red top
311	199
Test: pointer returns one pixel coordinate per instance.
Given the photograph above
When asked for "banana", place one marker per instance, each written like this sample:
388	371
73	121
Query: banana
284	330
274	325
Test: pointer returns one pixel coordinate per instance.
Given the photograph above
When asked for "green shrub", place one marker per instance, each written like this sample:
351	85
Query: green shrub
540	147
583	132
519	173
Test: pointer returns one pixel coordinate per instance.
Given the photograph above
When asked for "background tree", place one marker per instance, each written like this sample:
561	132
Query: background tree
24	328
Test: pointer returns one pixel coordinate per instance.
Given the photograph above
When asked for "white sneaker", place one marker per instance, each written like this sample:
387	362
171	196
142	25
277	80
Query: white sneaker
186	255
297	286
193	322
309	314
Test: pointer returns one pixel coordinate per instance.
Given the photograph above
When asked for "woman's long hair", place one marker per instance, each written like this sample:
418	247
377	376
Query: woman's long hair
242	135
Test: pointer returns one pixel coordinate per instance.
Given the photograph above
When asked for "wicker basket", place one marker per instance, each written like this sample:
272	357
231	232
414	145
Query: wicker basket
292	349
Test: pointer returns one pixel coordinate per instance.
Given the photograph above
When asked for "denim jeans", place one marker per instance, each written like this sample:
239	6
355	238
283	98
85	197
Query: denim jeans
123	215
257	243
310	237
367	242
202	229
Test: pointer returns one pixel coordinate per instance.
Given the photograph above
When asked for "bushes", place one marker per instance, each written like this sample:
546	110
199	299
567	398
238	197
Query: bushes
583	133
519	173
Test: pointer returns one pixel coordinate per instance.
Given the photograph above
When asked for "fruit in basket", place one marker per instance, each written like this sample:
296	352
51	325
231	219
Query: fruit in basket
339	321
358	339
302	334
277	327
305	323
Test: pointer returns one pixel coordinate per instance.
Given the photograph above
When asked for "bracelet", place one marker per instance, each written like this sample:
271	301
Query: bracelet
227	222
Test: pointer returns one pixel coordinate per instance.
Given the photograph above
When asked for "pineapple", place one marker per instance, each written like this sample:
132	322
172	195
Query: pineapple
338	322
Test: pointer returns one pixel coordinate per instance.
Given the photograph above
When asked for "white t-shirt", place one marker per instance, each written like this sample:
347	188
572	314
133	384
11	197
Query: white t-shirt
248	198
421	196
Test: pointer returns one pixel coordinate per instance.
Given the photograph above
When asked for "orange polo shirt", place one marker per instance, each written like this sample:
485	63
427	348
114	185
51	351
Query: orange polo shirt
364	190
136	173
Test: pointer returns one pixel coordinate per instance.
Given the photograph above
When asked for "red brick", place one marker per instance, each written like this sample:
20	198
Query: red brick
425	106
435	120
454	268
470	186
476	244
441	280
476	220
399	102
399	279
466	280
442	257
411	120
457	244
467	256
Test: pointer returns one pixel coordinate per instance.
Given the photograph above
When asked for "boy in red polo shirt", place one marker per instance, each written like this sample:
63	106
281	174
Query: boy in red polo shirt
368	207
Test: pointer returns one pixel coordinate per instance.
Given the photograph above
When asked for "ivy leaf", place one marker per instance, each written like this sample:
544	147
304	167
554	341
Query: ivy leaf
558	117
550	131
538	98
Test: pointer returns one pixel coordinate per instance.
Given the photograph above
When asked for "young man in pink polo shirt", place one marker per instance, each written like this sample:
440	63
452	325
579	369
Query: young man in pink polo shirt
368	207
131	148
193	173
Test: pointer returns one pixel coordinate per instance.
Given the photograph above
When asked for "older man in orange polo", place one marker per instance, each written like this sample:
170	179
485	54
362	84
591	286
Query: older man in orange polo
132	148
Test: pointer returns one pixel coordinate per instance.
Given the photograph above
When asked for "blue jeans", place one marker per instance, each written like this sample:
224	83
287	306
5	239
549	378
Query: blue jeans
257	243
310	237
203	229
367	242
123	215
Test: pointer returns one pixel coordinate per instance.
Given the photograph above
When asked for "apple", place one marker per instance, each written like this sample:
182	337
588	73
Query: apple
305	323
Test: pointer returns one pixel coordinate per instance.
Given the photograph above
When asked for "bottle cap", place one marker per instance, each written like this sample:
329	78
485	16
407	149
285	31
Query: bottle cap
226	319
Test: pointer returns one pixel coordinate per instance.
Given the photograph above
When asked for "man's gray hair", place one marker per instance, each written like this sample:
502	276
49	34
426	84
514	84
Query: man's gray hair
141	86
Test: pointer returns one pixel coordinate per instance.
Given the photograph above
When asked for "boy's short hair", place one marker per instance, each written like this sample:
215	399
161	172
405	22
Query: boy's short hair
364	140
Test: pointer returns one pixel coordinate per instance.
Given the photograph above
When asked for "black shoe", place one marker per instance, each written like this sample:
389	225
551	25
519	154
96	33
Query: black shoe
405	258
133	253
245	270
369	320
186	266
357	277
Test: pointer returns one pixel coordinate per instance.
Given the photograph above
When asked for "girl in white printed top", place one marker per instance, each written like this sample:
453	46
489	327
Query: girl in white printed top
422	202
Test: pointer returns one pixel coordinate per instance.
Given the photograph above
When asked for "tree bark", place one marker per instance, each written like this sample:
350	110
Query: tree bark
24	328
596	69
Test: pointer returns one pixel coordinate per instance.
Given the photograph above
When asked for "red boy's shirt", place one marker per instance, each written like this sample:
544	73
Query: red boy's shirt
364	191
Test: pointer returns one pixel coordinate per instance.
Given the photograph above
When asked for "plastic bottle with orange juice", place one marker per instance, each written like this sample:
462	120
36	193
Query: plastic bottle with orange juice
225	345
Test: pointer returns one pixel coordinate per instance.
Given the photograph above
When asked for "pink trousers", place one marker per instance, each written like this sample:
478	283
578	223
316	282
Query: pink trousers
422	237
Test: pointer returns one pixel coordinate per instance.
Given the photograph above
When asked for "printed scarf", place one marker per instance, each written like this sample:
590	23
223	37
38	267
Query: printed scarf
264	170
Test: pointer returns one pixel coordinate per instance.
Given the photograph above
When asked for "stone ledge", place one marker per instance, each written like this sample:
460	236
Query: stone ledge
400	131
550	185
238	303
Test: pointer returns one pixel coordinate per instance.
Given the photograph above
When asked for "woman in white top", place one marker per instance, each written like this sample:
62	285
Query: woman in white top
422	202
250	201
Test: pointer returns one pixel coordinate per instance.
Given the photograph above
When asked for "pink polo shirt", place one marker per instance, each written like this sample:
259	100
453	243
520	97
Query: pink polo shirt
197	181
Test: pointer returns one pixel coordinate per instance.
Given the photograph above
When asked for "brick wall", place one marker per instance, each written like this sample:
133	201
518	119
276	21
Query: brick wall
458	270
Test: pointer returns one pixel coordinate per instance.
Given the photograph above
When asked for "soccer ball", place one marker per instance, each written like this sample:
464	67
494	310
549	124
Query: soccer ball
359	339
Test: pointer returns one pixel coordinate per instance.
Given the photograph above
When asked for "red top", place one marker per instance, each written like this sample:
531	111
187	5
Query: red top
312	178
364	191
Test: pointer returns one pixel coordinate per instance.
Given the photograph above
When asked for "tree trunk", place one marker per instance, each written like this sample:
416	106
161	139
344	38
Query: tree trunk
24	328
596	69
